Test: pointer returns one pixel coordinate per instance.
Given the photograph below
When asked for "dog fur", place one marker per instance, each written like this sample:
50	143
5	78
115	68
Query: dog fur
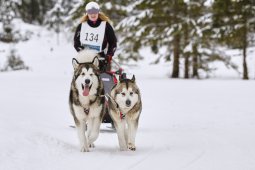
85	101
125	107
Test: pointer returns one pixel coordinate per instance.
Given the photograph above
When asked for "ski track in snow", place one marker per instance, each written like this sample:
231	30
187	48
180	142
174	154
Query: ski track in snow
141	160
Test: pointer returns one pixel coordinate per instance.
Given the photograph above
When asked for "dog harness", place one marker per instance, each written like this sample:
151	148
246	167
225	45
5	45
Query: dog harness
122	116
107	97
86	110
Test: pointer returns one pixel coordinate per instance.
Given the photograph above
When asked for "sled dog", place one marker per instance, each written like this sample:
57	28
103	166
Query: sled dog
85	101
125	107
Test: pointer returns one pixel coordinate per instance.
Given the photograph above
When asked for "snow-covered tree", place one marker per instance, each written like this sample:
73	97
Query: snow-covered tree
234	25
7	13
175	30
196	38
163	24
55	18
133	30
33	11
14	62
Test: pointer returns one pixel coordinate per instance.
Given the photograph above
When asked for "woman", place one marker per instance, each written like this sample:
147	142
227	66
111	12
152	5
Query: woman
95	32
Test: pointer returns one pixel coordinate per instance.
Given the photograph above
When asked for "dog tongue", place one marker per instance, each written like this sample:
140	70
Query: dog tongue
86	91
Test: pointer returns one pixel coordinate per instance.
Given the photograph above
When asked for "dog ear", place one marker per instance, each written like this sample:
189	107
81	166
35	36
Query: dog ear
96	61
75	63
133	78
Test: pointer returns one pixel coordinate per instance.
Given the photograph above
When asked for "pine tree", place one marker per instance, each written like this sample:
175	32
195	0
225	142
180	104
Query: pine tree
33	11
234	23
8	12
175	25
148	25
196	31
115	9
200	49
55	18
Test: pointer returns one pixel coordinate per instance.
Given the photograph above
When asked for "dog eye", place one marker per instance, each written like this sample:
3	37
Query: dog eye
123	94
83	74
91	74
131	93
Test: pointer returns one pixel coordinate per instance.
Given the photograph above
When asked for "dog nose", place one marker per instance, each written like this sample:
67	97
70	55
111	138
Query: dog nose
87	81
128	102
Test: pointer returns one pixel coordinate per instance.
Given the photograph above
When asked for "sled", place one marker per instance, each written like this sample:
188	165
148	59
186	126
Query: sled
109	79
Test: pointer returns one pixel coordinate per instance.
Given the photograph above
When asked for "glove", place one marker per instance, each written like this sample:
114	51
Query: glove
109	58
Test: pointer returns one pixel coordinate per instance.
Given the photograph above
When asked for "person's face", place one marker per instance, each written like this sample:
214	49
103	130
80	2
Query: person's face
93	17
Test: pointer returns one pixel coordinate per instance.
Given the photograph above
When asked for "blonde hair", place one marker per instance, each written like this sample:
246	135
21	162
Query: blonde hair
101	15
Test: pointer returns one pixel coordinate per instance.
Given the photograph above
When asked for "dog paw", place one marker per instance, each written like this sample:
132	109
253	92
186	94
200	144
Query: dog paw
131	147
84	149
92	145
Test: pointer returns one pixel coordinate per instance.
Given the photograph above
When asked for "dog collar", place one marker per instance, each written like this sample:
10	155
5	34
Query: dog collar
122	116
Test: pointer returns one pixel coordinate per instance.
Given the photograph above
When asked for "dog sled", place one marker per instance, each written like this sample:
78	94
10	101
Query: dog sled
109	79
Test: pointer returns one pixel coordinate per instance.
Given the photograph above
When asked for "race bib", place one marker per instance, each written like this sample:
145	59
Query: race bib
92	38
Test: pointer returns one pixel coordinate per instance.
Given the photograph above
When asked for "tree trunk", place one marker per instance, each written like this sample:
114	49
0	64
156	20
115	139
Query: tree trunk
195	69
187	54
186	42
186	68
176	42
245	68
175	73
195	62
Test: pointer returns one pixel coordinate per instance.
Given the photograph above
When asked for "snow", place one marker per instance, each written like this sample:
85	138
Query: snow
185	124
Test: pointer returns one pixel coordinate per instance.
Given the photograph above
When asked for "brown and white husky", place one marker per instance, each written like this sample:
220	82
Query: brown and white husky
125	108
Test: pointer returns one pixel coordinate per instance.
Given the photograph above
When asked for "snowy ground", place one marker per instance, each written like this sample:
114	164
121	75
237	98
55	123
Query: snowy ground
185	124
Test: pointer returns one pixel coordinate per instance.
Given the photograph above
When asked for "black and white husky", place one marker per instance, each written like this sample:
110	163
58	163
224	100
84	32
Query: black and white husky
125	107
85	100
